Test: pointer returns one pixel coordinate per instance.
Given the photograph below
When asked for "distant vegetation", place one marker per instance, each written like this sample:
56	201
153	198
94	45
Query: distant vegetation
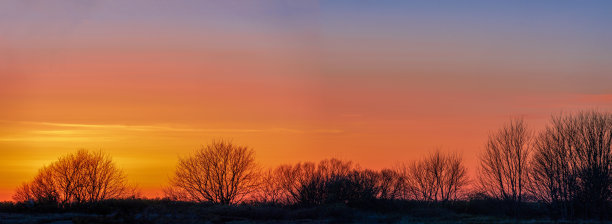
561	172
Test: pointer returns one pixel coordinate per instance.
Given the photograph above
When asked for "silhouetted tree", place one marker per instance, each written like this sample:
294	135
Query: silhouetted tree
304	183
220	172
504	164
572	164
76	178
438	177
270	189
333	180
42	189
406	190
391	184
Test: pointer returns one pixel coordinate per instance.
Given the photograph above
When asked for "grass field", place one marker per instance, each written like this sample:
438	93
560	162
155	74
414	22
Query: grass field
163	211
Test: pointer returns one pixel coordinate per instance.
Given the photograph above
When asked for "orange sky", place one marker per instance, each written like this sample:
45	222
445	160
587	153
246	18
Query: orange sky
296	81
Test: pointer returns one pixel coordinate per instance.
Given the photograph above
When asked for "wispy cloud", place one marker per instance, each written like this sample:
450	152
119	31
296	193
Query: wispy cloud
117	126
85	132
143	128
50	139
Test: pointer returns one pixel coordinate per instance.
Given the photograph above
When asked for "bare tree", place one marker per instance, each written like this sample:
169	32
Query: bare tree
504	164
80	177
220	172
303	182
361	185
406	189
270	187
572	164
332	181
23	193
438	177
42	189
391	184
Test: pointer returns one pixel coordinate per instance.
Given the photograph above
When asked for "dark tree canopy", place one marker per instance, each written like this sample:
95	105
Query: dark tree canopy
333	181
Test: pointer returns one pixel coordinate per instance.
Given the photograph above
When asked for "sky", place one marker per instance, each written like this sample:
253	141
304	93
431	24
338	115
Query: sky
375	82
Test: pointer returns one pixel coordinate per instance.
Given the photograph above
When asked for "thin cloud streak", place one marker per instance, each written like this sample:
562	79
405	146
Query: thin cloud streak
52	139
156	128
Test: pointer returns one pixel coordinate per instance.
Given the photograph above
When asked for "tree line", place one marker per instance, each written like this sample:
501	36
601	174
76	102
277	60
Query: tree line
566	166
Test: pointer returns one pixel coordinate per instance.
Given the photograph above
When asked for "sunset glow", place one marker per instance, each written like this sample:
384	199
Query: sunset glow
378	84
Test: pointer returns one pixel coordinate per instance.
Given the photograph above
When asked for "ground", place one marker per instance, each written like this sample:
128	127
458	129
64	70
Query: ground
66	218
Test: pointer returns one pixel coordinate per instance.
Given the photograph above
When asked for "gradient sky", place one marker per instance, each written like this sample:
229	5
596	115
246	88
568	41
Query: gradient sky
377	82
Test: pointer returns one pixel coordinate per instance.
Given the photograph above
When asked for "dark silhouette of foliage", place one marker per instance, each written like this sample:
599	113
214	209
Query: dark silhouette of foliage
335	181
310	184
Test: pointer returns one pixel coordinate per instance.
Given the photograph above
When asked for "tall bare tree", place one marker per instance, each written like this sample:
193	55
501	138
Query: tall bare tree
80	177
220	172
438	177
572	163
504	165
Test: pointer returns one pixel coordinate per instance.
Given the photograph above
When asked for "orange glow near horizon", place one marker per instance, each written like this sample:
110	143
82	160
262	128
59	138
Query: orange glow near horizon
148	83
